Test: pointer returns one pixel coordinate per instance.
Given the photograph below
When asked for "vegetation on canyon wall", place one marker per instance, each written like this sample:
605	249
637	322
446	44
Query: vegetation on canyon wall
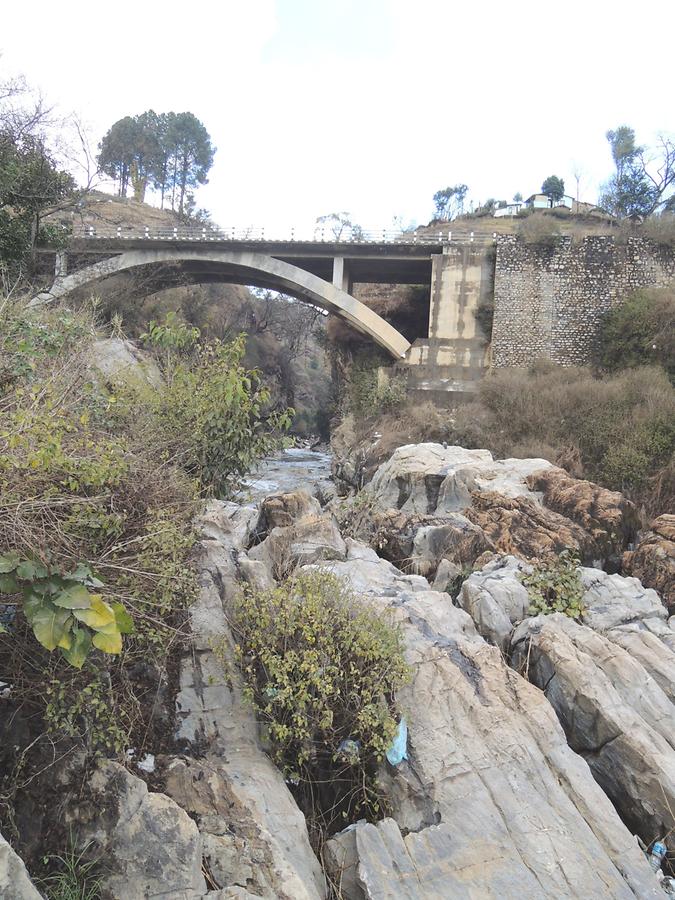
322	671
99	482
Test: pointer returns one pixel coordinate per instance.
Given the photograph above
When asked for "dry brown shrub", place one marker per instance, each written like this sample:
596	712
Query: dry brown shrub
539	230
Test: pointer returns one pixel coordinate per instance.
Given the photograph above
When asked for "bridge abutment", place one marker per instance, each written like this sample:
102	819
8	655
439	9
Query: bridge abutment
454	355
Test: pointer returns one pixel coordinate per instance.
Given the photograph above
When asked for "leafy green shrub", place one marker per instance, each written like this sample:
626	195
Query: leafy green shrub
322	670
61	610
85	714
368	394
172	338
216	417
86	485
641	331
555	586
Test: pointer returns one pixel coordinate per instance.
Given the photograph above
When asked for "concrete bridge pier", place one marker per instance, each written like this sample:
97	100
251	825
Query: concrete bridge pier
342	278
454	356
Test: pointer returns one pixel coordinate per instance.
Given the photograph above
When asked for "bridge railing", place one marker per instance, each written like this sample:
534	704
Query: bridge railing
262	235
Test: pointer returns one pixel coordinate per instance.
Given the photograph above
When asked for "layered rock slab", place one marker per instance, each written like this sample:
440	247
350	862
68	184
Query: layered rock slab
234	788
14	881
613	712
495	802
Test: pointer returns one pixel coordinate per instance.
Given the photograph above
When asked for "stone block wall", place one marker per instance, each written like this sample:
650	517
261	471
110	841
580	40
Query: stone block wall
550	301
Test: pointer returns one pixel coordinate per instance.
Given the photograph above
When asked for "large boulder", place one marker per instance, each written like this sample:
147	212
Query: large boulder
412	477
518	525
653	560
230	524
490	776
253	834
496	599
119	360
150	846
418	543
607	516
506	477
305	542
282	510
14	881
611	601
613	712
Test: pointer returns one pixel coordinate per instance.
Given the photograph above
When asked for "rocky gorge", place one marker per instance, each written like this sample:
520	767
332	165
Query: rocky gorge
540	757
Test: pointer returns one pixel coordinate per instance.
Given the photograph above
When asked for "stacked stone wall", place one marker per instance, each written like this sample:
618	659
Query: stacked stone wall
551	301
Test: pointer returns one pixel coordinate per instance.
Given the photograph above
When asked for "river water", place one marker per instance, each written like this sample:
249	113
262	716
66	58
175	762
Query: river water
288	470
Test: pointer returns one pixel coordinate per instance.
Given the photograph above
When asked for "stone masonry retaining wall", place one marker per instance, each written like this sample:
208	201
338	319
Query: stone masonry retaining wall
550	301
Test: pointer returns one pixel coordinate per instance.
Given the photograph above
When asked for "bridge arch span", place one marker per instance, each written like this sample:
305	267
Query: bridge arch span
241	267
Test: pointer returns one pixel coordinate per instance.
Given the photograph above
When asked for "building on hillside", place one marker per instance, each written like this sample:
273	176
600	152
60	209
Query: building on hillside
509	209
543	201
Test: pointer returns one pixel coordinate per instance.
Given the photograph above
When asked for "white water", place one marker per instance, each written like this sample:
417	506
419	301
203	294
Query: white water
287	470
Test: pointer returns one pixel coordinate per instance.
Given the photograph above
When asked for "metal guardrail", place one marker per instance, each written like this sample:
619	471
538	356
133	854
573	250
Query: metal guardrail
261	235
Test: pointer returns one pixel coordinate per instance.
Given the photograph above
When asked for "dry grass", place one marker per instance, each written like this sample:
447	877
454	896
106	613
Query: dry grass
618	430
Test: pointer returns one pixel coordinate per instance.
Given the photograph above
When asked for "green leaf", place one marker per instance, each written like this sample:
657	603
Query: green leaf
3	630
84	574
75	597
49	624
26	570
109	643
41	571
8	584
79	648
125	624
9	561
98	615
32	604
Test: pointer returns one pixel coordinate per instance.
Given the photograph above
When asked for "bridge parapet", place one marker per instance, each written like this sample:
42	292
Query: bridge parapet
255	234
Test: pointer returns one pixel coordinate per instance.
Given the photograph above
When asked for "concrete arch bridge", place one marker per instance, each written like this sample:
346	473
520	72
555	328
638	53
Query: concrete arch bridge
322	272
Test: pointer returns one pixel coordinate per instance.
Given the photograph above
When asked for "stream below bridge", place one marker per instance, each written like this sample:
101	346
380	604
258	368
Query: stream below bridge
287	470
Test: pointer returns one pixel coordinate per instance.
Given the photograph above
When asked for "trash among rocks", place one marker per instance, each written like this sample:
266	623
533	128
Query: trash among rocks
668	885
147	764
657	855
399	748
349	750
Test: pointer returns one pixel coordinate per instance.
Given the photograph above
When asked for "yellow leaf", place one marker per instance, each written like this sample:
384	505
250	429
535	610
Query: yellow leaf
109	643
98	615
66	641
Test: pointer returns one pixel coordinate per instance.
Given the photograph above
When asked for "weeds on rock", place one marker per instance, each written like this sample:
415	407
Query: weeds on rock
555	586
75	877
322	670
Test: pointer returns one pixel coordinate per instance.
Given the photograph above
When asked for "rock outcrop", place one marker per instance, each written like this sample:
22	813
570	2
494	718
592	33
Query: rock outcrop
613	712
151	847
253	835
492	802
418	543
496	599
653	560
520	526
120	360
14	881
606	516
428	478
252	831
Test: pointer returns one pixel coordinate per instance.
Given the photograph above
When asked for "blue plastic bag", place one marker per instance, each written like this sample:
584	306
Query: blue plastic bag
399	748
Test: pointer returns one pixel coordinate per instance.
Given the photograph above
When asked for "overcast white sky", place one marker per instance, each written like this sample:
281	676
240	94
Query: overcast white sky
368	106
